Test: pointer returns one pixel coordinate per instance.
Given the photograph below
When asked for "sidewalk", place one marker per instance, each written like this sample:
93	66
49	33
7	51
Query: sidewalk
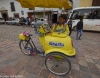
86	64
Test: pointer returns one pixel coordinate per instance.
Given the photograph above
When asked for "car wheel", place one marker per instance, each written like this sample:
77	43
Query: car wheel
74	28
17	24
14	23
7	23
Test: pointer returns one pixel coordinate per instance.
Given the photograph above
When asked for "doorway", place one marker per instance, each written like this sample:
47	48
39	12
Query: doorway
54	18
5	16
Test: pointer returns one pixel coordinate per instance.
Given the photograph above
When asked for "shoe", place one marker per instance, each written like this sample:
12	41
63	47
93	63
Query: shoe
79	38
49	58
43	54
76	38
29	52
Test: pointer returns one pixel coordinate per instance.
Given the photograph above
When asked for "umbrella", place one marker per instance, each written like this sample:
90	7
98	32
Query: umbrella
46	3
25	5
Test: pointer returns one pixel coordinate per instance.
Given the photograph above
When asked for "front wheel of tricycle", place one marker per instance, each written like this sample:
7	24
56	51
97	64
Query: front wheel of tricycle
26	47
57	63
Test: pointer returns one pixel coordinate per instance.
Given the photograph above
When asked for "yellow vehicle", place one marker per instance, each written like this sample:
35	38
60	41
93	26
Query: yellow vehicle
57	47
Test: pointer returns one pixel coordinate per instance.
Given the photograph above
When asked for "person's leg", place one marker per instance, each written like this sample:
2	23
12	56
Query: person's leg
69	31
80	34
77	34
23	25
27	23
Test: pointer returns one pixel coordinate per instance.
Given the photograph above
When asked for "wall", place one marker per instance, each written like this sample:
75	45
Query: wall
76	3
40	15
85	3
18	8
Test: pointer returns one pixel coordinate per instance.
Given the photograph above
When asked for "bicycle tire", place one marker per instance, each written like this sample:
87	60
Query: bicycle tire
58	53
29	54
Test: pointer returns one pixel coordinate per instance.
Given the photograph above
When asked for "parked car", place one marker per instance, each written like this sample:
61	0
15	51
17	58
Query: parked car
14	21
22	21
2	21
39	21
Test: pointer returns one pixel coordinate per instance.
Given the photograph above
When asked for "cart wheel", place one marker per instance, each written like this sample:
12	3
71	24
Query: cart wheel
57	63
26	47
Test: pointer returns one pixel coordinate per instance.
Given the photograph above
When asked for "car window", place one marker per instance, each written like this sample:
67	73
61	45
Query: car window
86	14
1	19
13	19
42	19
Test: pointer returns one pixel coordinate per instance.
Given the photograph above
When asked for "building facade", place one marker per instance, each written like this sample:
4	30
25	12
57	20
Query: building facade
85	3
12	8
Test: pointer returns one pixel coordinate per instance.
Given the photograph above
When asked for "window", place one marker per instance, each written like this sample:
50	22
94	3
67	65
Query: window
30	9
16	15
86	14
12	6
1	18
77	14
98	14
93	14
42	19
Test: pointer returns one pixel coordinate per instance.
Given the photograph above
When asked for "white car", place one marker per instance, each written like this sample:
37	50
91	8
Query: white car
13	21
39	21
2	21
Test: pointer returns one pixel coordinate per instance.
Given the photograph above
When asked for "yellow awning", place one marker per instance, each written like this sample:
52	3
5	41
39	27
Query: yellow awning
25	5
45	3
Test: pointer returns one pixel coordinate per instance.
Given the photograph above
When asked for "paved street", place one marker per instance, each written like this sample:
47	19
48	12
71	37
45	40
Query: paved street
86	64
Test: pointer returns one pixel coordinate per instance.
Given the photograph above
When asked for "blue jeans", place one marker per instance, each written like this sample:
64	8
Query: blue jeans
77	35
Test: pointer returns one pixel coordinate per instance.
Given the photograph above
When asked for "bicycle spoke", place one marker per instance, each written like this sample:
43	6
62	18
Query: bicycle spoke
58	64
26	47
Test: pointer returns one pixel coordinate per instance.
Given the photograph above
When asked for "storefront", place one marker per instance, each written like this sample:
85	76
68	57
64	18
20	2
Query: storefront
39	14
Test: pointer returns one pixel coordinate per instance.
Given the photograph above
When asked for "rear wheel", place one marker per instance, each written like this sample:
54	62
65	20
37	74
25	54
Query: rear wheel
26	47
57	63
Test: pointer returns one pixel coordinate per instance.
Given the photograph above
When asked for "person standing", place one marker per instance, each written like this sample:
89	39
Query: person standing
70	26
79	29
24	22
29	21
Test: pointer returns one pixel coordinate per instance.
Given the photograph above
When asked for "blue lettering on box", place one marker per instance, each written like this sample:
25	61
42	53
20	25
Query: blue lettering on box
50	43
56	44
